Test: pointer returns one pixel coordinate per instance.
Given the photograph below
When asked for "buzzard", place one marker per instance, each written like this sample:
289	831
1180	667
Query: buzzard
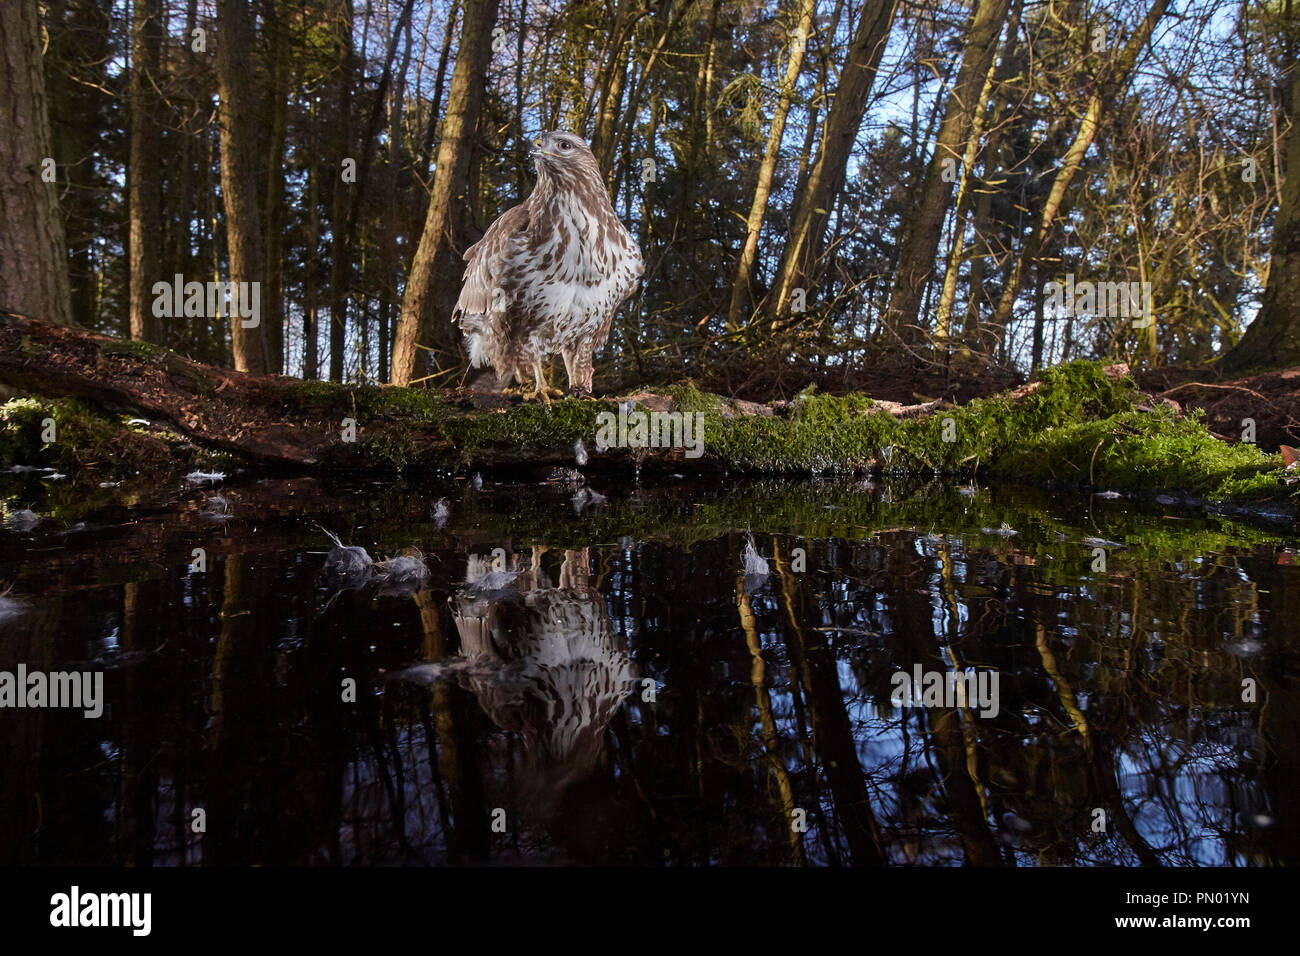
549	274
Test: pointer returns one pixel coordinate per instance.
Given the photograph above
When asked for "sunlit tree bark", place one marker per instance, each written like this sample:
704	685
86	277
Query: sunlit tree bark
954	149
436	256
1273	339
811	205
239	161
740	291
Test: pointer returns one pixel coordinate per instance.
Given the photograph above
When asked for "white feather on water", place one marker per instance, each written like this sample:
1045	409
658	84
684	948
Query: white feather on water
1004	531
205	477
11	607
404	574
348	563
24	519
217	508
756	565
587	496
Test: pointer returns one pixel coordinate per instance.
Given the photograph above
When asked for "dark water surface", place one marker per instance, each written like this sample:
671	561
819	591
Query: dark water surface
609	687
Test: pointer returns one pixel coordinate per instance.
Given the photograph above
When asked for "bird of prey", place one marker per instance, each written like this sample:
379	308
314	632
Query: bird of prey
550	273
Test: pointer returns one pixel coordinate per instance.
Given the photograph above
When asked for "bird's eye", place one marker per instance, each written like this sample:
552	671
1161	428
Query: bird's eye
565	144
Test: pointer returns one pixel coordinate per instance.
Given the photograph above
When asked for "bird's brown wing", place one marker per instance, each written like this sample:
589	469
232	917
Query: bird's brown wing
630	266
490	265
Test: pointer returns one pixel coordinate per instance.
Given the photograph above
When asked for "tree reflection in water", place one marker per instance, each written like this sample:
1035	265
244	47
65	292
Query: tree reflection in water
624	696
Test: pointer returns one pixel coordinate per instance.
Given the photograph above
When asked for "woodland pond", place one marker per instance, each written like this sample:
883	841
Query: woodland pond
599	682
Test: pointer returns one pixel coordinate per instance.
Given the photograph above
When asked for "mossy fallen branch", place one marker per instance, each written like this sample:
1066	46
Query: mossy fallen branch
1081	424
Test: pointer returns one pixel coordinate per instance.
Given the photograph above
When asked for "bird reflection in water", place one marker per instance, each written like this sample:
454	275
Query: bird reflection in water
539	653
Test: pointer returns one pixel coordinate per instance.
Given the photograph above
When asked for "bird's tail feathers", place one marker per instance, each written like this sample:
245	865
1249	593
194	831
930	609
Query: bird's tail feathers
478	350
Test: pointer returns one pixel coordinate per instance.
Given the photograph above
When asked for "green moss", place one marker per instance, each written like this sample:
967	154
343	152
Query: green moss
191	378
87	440
687	398
31	349
818	409
961	440
794	445
1078	426
317	398
528	427
79	433
1146	451
144	351
413	404
366	402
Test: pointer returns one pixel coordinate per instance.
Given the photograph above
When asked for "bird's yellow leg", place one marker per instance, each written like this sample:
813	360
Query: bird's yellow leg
544	392
540	383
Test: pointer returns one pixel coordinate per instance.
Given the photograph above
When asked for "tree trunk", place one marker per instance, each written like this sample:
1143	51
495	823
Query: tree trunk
1273	339
33	257
610	80
436	258
808	217
943	315
958	138
340	267
144	169
740	292
389	259
1102	93
278	80
310	290
76	77
670	12
1036	346
239	173
440	80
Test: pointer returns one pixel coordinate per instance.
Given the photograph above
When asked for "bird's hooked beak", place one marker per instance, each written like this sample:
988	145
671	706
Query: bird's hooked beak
540	150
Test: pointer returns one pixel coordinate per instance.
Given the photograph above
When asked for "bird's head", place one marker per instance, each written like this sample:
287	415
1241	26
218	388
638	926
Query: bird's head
560	152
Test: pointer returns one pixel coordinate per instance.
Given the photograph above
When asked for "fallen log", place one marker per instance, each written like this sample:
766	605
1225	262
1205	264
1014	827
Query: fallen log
1081	425
226	409
280	421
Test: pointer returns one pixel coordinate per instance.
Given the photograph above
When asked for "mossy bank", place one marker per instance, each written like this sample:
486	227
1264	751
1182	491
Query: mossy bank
1081	425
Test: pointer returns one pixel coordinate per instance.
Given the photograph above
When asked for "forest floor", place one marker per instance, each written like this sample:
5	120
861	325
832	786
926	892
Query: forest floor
1270	399
96	407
